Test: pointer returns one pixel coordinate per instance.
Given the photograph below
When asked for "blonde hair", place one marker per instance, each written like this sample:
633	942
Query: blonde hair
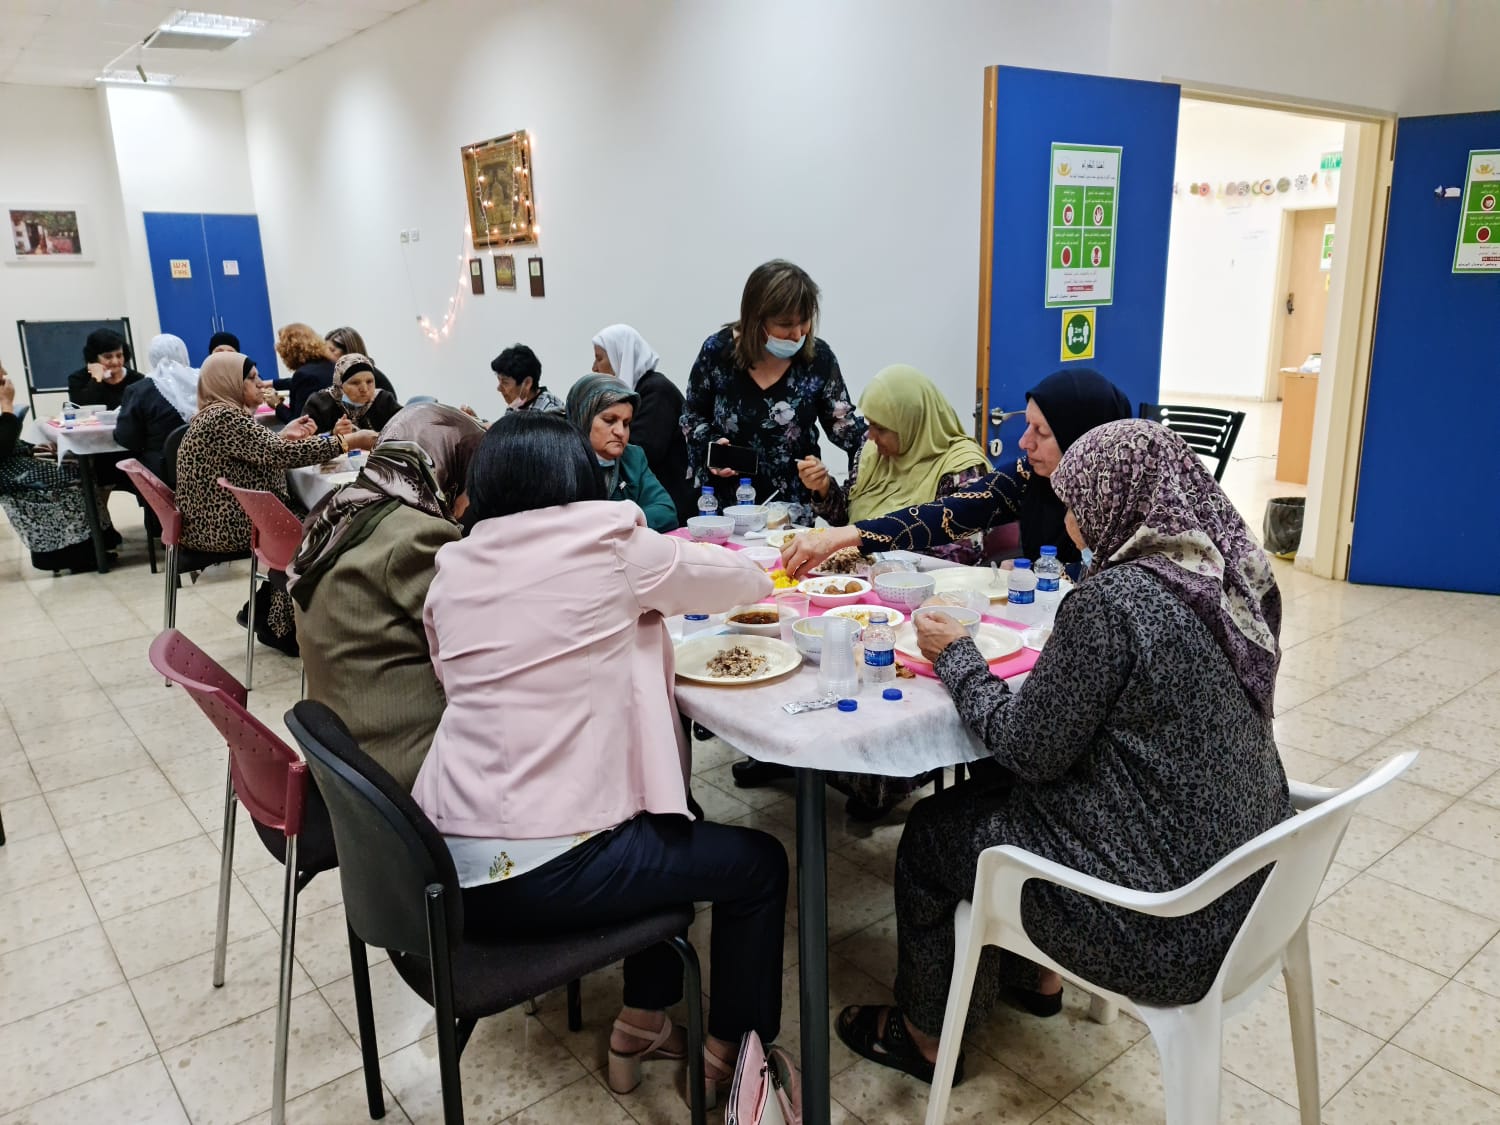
298	344
774	290
348	341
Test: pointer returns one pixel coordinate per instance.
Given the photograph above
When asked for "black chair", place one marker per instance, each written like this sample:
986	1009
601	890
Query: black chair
1207	431
169	456
401	894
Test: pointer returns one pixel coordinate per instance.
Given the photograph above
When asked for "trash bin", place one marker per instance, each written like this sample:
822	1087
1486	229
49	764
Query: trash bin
1282	532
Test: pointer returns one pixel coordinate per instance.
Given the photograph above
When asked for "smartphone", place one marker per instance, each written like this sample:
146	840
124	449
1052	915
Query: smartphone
741	458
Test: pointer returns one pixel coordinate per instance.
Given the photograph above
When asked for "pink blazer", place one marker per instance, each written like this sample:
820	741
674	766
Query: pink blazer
546	629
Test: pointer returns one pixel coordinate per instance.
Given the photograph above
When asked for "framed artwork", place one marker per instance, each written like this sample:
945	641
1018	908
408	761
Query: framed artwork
505	271
46	234
497	178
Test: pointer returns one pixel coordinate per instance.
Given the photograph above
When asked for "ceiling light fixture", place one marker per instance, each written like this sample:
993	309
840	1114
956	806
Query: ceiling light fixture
201	31
135	78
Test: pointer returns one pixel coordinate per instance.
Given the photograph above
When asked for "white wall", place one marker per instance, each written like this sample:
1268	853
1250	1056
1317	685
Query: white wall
1221	267
177	150
56	153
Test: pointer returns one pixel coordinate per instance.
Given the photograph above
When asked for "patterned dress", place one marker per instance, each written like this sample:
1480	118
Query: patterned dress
991	499
780	423
1132	754
44	503
966	551
223	441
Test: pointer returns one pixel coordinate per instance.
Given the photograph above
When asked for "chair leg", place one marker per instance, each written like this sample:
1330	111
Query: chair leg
692	988
1297	970
250	630
967	948
151	550
226	876
575	1005
169	606
2	832
1190	1040
284	995
1102	1010
442	997
369	1049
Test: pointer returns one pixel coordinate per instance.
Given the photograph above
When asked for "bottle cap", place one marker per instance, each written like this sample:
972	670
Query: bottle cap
1049	550
695	617
707	488
879	616
1022	564
745	480
891	693
848	705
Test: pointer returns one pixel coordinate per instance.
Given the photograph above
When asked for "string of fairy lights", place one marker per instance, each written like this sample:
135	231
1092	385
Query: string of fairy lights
523	228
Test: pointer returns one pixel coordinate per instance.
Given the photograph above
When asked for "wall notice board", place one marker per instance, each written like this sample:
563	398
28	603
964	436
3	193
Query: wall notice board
53	349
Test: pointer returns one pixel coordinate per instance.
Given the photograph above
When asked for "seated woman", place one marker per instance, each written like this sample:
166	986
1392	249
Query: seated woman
915	450
353	402
1140	752
621	351
223	440
558	771
361	578
106	371
44	500
344	341
1059	410
602	408
309	358
165	400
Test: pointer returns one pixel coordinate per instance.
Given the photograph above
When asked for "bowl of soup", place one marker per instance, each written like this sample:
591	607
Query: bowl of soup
760	620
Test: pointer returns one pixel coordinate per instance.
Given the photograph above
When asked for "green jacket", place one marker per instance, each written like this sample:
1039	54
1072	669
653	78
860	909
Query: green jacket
637	482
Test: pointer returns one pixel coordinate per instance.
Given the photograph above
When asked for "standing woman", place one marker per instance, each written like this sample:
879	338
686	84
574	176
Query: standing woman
165	400
602	410
766	381
353	402
309	358
223	440
621	351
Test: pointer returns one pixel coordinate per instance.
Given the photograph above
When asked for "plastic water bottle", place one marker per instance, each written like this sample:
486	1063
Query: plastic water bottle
69	415
745	493
1048	572
1021	589
880	649
708	503
693	623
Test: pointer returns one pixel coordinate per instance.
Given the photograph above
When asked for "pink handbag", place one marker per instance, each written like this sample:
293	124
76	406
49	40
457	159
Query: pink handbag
767	1088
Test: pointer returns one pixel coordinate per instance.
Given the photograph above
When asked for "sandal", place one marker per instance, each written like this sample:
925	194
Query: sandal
857	1028
625	1066
718	1076
1039	1004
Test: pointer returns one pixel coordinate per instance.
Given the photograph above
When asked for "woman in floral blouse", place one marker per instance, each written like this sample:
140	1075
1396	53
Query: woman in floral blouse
766	382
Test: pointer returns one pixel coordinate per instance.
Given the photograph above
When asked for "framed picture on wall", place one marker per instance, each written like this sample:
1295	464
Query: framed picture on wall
497	180
505	271
46	233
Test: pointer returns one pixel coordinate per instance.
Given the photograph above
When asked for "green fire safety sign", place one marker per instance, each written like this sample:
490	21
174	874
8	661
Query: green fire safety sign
1084	203
1478	249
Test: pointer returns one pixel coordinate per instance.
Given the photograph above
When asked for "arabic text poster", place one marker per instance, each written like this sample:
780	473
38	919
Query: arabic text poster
1478	249
1081	228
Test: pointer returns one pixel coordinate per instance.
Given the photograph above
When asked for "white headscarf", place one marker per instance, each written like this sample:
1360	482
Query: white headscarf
177	382
629	354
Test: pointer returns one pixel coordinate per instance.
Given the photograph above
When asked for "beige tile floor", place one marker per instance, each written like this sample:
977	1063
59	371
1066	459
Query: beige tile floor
110	787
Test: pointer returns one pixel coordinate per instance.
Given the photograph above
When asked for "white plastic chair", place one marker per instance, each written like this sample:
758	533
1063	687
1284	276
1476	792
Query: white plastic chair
1190	1037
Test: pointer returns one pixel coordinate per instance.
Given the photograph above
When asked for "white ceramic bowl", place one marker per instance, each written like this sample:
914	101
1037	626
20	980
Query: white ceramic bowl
904	589
814	587
767	558
807	634
747	517
710	529
968	618
772	629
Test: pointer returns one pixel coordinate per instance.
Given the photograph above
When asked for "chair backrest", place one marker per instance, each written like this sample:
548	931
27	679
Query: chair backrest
1206	430
389	851
22	410
275	532
169	450
161	499
270	780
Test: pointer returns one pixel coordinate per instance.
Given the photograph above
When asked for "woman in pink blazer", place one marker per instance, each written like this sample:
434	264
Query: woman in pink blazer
558	774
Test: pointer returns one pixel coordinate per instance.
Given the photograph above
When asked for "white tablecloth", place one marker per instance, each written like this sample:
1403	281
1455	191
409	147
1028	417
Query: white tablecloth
310	484
84	439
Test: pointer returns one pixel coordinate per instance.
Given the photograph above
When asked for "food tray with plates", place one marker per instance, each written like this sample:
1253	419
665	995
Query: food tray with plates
1001	646
728	661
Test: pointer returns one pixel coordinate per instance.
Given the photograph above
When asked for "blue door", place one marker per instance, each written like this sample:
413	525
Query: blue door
185	302
238	272
1033	110
1426	511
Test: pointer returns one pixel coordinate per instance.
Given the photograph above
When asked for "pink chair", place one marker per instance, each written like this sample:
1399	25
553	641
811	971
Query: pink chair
271	780
275	535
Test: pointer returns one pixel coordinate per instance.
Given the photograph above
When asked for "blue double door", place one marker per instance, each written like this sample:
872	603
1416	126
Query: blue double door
210	276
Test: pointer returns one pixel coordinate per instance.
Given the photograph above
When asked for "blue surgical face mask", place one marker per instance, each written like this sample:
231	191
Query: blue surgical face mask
784	349
1088	557
349	401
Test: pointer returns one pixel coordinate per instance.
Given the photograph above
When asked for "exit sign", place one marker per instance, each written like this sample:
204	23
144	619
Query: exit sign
1332	162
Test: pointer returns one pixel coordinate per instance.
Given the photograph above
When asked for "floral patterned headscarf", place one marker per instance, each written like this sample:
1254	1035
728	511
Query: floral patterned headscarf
1141	496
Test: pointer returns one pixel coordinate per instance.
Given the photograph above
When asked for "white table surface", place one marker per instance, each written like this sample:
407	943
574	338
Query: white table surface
309	484
84	439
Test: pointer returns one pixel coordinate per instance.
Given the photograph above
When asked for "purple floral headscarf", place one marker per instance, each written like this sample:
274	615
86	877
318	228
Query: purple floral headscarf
1141	496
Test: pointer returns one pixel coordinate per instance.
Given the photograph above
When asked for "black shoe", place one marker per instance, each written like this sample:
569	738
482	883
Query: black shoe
701	732
1041	1005
243	615
287	645
751	774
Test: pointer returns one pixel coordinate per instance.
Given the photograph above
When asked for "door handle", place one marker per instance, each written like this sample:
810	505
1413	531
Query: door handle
1290	305
999	417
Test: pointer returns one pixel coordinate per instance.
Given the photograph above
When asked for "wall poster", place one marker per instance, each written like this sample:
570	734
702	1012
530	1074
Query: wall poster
1081	244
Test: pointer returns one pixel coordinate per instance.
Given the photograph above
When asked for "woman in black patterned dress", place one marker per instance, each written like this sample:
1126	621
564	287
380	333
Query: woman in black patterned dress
1139	751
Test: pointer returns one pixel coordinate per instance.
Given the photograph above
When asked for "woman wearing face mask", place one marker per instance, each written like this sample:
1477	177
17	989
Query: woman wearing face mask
1059	410
621	351
353	402
765	381
602	409
1139	752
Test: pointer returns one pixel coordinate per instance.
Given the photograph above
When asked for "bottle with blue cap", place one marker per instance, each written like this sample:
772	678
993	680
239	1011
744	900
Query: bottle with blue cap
880	649
708	503
1049	574
745	493
1021	593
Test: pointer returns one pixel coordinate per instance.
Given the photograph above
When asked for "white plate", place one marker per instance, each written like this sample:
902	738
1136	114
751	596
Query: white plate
955	579
894	617
995	642
780	537
694	654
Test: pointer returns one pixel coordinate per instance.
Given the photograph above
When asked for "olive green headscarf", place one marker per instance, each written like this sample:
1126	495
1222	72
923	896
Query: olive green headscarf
933	444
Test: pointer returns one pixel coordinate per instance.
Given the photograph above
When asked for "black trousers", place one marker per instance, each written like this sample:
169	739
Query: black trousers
652	861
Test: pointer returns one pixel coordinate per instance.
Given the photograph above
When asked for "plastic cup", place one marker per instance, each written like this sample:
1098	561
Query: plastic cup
838	674
791	605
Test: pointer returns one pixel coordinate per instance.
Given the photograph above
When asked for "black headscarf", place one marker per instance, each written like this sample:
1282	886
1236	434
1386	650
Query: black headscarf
1074	401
